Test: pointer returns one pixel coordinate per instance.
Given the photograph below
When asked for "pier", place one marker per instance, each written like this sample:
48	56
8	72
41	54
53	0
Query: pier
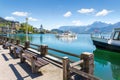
26	62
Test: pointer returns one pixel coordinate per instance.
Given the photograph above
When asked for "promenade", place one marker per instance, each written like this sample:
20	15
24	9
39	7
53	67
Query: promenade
12	69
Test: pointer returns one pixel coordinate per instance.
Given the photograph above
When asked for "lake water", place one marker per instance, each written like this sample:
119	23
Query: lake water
107	64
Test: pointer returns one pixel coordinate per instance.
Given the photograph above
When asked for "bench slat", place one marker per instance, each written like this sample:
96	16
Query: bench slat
39	62
42	60
27	58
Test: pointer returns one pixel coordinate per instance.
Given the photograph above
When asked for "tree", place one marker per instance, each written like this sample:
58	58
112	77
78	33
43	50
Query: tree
24	28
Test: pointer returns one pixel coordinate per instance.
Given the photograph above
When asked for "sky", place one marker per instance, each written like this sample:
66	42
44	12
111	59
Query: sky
55	13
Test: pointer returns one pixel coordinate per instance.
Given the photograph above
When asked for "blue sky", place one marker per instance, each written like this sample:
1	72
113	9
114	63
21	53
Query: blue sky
56	13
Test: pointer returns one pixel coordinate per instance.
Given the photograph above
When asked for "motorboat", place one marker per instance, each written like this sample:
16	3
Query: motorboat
66	34
112	43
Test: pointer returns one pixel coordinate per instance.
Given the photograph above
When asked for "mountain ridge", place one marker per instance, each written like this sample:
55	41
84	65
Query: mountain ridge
97	26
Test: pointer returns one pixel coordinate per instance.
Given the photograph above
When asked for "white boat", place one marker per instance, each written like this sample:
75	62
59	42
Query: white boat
66	34
112	44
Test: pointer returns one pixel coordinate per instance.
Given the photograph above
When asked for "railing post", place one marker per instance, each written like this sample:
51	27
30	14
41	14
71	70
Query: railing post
44	50
7	39
27	44
88	64
66	72
12	40
17	42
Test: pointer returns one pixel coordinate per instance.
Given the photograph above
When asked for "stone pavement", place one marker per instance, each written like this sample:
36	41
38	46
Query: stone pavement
12	69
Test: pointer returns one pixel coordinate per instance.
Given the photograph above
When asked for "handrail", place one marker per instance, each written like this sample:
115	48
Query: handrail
76	63
55	56
68	53
33	48
86	75
59	57
34	44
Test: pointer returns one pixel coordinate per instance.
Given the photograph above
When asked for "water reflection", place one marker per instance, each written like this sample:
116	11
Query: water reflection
21	37
112	59
67	39
41	38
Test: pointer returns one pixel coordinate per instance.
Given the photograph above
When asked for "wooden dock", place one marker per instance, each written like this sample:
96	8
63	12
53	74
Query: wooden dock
14	60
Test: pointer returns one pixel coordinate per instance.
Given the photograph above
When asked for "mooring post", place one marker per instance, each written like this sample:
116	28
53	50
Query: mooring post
66	65
44	50
88	64
27	45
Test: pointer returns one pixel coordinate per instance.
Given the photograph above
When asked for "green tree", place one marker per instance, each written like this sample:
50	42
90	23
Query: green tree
24	28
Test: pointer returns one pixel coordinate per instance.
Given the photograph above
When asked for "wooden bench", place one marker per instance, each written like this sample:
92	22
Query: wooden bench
36	62
1	41
15	50
5	43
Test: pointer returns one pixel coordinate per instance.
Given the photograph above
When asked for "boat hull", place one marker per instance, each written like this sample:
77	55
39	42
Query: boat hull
104	45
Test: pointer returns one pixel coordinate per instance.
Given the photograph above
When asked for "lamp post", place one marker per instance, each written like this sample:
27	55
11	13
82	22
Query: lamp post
26	29
8	30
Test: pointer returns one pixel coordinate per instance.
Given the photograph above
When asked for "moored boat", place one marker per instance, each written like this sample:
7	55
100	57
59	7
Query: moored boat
66	34
112	44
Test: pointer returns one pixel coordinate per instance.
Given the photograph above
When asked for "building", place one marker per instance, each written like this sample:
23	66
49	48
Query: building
4	30
11	28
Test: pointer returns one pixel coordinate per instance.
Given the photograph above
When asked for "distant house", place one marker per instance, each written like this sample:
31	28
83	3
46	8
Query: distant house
4	30
10	28
36	30
14	27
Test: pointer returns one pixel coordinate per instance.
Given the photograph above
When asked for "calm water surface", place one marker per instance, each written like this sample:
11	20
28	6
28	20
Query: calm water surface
107	64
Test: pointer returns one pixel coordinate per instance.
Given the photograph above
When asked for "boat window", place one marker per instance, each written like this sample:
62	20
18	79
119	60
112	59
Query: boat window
116	36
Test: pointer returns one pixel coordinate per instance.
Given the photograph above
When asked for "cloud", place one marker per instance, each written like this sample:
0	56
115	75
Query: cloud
104	12
17	13
77	22
84	11
67	14
9	18
32	19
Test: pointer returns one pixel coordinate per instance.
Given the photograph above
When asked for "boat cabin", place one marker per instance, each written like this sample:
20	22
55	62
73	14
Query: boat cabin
116	34
115	37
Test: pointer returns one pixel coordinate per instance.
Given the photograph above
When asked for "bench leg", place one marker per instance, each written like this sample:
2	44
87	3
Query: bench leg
10	50
33	66
14	52
35	69
22	60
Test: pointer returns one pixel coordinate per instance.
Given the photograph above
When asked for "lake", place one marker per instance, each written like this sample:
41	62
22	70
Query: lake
107	64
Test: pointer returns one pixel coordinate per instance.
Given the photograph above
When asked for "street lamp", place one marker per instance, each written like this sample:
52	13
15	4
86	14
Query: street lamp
8	30
26	29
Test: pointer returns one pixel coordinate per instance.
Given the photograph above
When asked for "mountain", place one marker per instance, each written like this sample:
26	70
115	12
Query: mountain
76	29
56	31
95	27
2	20
111	27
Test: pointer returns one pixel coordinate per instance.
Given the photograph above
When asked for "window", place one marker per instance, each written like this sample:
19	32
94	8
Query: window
116	36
